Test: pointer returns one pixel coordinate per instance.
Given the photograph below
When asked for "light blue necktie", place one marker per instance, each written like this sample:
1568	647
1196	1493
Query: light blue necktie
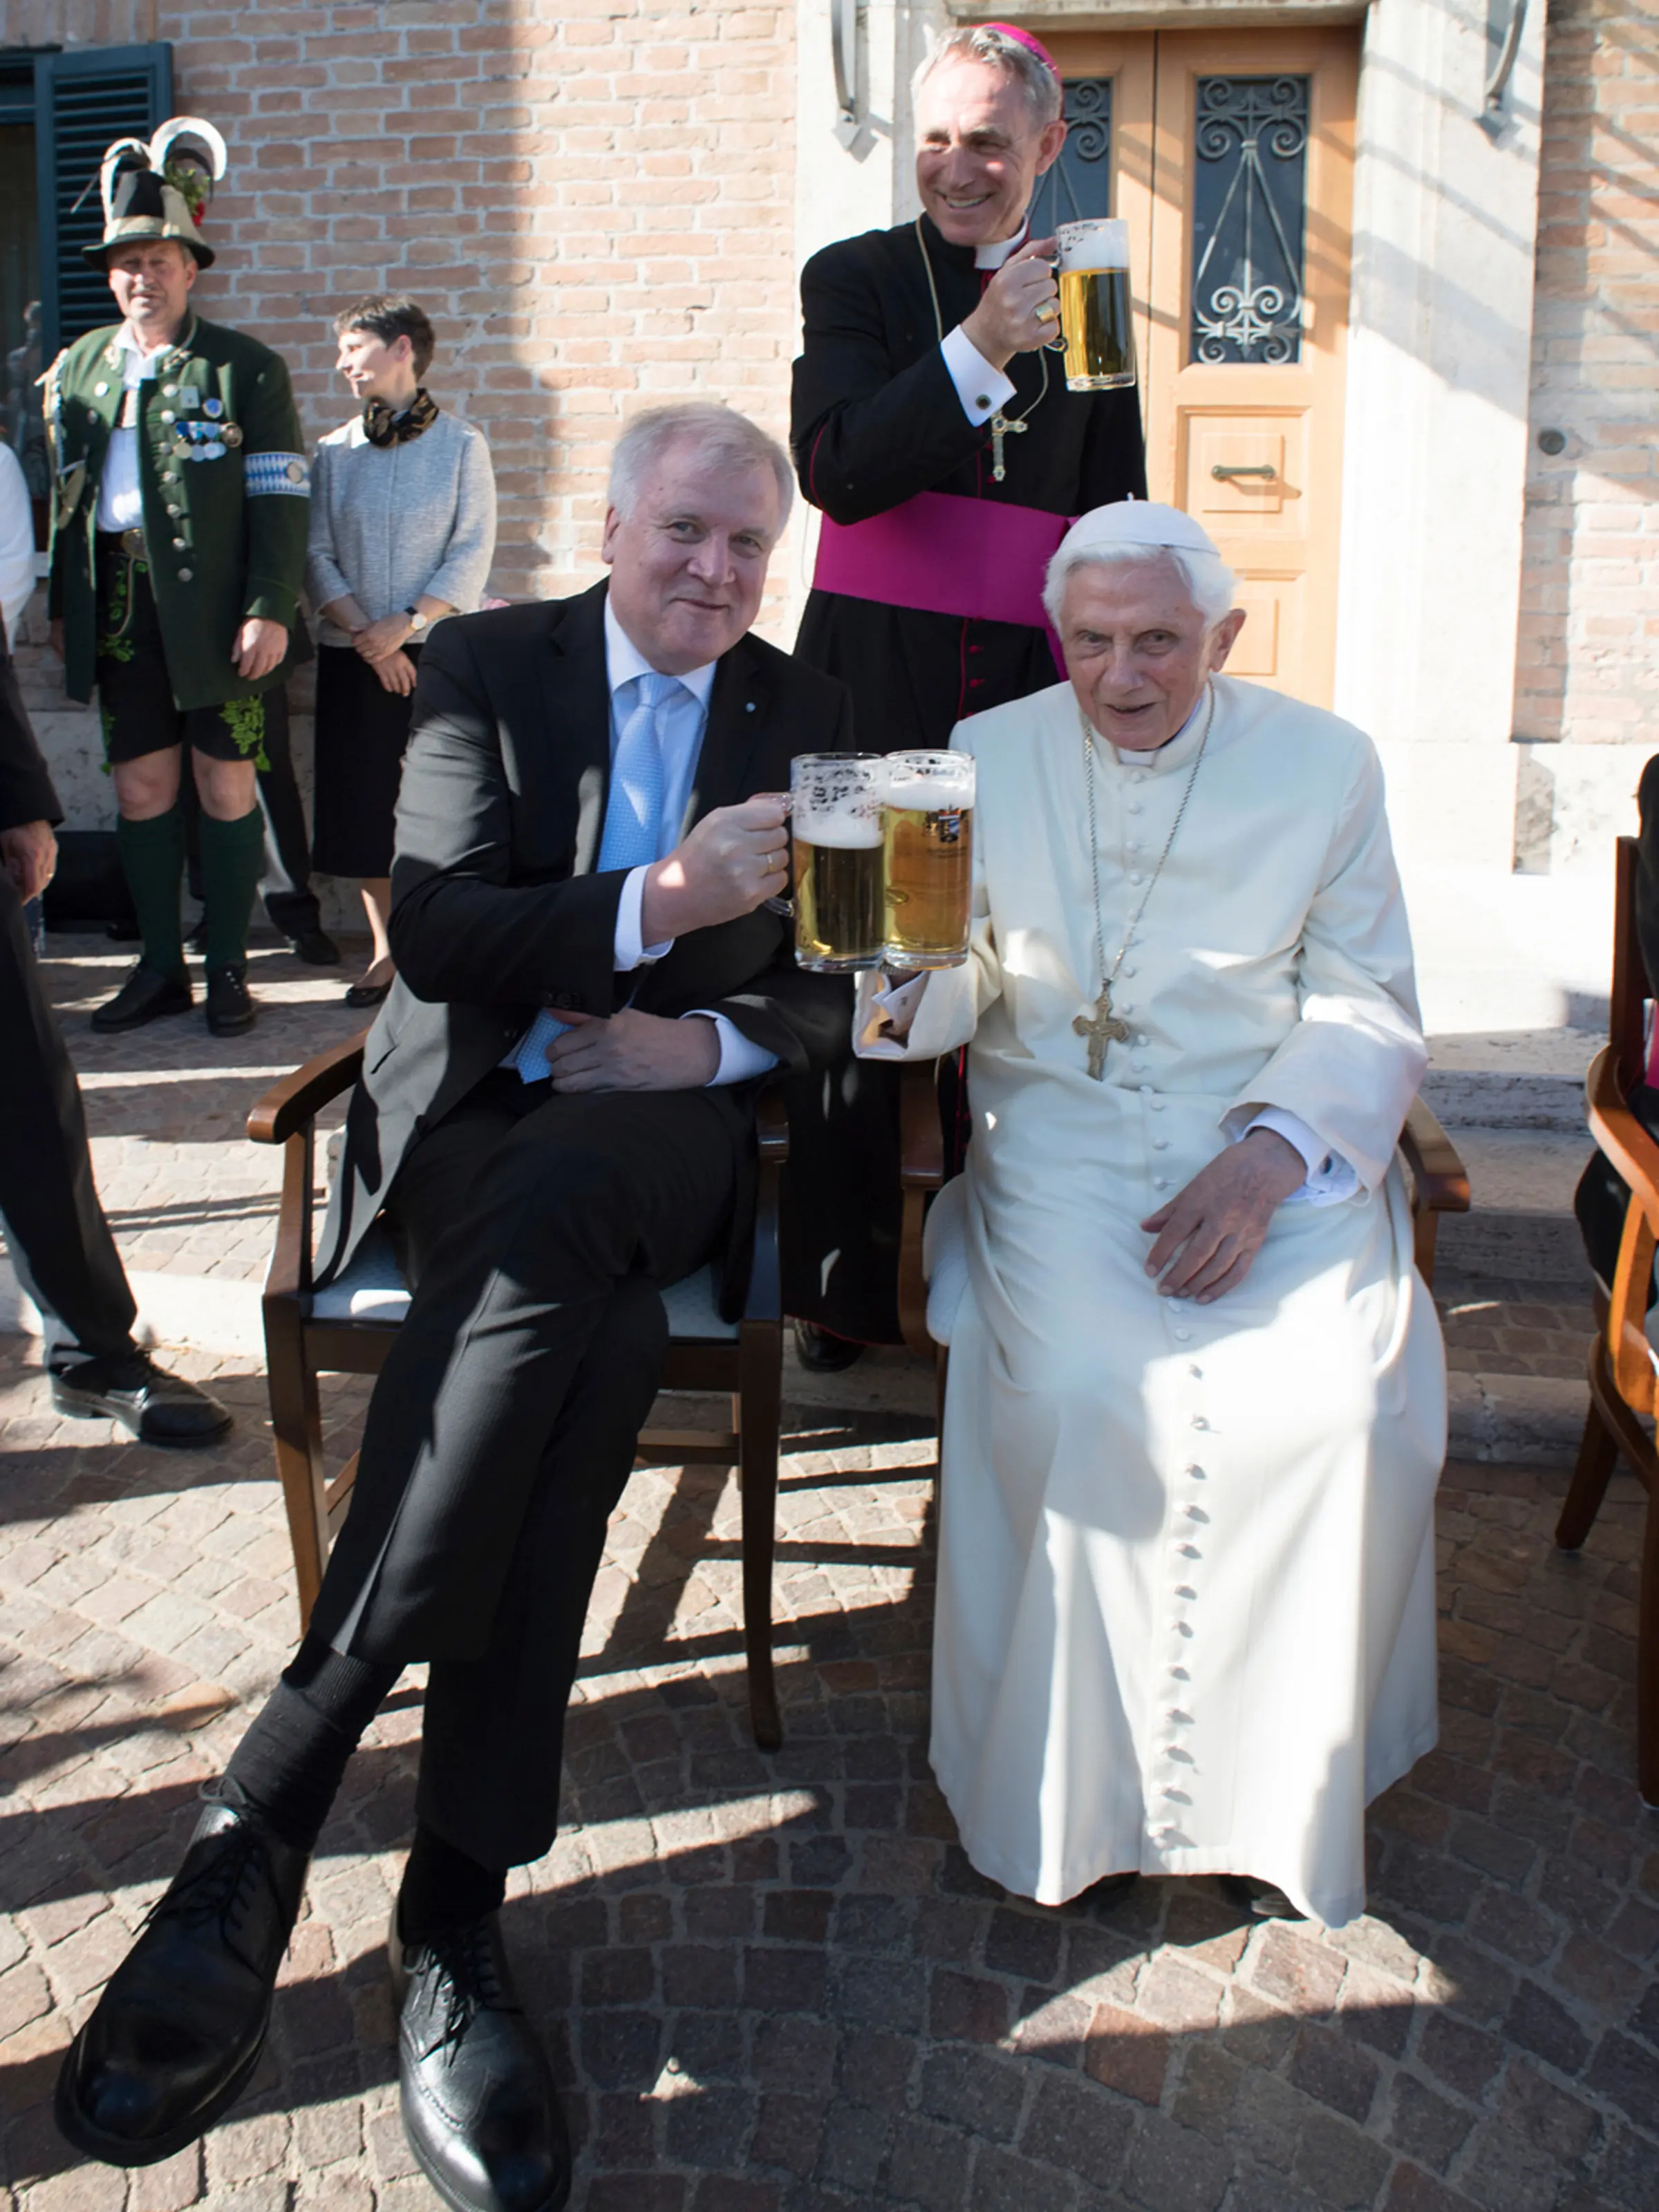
633	827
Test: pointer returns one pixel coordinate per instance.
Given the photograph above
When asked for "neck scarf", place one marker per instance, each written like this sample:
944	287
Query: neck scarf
382	427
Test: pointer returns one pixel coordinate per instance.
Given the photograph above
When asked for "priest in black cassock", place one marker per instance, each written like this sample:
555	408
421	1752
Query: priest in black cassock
932	424
925	371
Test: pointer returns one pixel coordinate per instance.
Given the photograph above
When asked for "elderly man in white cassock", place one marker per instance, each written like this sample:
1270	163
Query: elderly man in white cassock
1196	1406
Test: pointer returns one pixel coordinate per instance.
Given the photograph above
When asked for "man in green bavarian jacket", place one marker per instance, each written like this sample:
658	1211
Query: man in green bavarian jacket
178	549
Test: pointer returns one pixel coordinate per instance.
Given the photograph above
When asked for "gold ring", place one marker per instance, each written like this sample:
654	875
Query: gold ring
1048	313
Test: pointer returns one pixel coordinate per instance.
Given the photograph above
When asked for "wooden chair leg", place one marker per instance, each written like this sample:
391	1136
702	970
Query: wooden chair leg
296	1426
760	1356
1598	1454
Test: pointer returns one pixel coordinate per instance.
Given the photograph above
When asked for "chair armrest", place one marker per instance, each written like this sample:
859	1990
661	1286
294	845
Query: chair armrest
1441	1178
1620	1135
921	1141
771	1125
285	1108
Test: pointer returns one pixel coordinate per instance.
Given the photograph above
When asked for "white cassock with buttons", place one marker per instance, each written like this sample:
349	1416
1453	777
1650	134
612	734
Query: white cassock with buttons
1186	1617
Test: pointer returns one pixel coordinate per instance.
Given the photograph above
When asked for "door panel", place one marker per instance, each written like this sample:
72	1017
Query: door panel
1232	154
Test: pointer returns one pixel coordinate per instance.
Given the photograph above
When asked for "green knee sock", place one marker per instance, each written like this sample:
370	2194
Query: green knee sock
233	861
153	856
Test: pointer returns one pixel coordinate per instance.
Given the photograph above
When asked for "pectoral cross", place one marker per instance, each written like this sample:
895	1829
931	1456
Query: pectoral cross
1002	426
1102	1027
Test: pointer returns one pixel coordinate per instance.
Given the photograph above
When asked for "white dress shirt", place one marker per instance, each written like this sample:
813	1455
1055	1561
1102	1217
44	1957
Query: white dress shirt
684	719
981	389
120	495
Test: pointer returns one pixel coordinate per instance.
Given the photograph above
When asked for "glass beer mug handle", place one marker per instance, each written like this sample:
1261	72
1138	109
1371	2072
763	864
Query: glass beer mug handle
1057	344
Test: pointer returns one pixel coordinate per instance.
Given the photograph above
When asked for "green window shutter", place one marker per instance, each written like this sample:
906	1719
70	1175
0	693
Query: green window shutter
82	100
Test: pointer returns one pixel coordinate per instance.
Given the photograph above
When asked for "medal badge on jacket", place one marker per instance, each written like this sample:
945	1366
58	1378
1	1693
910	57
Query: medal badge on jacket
207	436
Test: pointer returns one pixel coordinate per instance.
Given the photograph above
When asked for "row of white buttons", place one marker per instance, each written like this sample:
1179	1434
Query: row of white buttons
1170	1751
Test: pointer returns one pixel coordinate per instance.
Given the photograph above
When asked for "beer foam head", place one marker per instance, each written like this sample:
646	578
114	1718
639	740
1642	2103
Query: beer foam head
847	827
1100	243
942	790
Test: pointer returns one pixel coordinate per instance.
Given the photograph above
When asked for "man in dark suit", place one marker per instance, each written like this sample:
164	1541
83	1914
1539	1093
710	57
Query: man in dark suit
555	1117
60	1242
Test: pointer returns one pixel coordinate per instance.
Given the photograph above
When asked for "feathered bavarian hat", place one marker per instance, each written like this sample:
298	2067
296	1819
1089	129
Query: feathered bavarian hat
161	190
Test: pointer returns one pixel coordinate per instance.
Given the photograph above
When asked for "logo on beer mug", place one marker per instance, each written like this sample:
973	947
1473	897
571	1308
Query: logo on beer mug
835	847
928	819
1095	312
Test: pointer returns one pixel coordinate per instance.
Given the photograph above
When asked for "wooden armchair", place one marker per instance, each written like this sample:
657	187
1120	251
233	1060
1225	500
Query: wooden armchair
1622	1367
348	1328
1439	1182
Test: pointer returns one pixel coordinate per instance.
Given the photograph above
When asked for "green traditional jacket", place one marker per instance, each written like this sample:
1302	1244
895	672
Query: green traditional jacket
226	487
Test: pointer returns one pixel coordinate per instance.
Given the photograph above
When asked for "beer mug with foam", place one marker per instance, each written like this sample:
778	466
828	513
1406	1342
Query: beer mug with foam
835	836
928	820
1094	304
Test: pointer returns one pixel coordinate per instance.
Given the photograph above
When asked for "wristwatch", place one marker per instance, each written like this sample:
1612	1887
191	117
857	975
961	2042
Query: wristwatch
416	620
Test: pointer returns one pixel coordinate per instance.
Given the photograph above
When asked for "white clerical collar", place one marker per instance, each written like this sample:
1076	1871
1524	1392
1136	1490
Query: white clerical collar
993	257
623	661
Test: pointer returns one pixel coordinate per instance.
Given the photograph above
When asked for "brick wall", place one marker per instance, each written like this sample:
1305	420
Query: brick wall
1588	662
592	198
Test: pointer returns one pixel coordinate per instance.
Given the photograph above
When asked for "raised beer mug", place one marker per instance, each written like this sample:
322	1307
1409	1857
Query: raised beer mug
928	841
1095	314
835	850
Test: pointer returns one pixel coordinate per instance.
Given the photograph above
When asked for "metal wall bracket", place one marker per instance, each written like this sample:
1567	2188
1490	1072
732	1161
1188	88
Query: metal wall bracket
844	50
1504	68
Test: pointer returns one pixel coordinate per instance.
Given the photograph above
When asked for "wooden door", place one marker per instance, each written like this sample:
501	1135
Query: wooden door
1232	159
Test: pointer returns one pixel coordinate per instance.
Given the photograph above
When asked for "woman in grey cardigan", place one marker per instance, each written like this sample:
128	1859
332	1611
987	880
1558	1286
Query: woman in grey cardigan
402	531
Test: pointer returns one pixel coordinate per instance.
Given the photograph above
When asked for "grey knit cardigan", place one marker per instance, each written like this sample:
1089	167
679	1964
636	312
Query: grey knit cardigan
390	523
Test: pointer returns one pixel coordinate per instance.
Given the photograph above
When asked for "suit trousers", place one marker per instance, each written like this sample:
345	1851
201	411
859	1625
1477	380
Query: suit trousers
60	1241
535	1229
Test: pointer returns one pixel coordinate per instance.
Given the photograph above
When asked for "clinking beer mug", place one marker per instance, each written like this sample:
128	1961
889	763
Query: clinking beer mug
929	848
834	838
1095	316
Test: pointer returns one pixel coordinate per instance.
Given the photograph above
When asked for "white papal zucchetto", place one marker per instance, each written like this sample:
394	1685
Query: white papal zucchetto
1134	522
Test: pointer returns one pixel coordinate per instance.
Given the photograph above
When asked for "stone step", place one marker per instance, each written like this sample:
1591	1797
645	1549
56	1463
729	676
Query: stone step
1511	1080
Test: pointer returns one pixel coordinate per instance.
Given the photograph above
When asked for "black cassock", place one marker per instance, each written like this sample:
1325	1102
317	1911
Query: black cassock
875	419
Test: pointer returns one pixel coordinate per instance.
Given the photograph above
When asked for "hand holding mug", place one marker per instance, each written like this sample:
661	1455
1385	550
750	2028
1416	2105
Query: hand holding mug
1020	309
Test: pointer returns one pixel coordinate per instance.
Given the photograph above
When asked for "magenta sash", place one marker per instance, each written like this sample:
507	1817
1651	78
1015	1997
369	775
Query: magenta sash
983	559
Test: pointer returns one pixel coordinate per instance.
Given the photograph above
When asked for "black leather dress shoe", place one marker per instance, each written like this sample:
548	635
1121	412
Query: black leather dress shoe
156	1407
479	2107
230	1009
178	2029
146	996
822	1353
316	948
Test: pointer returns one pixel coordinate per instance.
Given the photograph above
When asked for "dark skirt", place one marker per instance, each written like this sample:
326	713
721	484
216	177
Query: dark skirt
362	732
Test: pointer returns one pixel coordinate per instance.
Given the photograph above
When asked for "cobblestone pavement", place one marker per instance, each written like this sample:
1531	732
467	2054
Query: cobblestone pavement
1498	1327
774	1985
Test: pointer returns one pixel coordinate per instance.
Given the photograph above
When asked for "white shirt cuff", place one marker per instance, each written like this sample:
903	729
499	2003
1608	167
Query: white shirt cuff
630	953
741	1058
980	388
1330	1177
887	1011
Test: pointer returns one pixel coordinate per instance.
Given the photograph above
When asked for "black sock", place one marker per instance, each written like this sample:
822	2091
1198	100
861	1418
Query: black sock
291	1760
444	1888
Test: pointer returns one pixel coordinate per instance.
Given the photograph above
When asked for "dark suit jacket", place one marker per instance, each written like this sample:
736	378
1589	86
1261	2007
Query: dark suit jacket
26	788
498	907
1603	1196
